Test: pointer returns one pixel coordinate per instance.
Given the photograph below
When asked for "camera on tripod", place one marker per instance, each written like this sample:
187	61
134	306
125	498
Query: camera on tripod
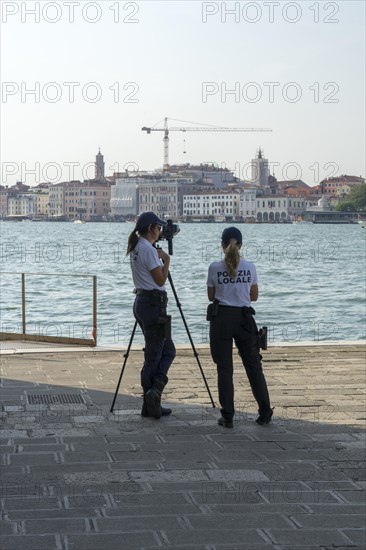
168	232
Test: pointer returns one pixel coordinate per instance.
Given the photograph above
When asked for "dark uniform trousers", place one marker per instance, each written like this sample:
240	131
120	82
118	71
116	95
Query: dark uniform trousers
159	351
231	324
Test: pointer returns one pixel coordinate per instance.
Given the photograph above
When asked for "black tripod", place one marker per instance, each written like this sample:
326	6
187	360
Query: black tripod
195	353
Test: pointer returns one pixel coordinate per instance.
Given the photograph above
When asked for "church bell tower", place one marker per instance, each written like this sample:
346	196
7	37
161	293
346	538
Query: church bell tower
260	171
99	166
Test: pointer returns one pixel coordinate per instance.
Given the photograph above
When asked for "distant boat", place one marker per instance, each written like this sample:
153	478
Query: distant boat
301	221
362	223
79	221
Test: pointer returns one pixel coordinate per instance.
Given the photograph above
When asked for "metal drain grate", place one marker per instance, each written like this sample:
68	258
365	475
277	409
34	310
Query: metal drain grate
56	399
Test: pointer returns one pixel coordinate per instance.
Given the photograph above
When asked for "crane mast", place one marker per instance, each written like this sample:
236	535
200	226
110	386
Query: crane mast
166	131
166	146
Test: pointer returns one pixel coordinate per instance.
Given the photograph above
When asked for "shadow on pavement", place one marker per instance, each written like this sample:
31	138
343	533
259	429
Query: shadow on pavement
75	476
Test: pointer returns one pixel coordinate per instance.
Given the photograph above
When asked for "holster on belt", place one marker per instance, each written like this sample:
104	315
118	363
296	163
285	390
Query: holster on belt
212	310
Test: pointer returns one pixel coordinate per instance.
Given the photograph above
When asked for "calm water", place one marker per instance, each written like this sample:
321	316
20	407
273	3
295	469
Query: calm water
311	279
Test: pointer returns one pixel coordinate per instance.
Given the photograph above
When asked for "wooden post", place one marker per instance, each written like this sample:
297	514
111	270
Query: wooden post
23	305
95	309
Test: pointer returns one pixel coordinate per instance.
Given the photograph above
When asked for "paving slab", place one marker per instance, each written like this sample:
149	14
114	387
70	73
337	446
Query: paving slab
85	478
40	542
112	541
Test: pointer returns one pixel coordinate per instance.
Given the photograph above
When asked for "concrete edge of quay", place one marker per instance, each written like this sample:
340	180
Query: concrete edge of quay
17	348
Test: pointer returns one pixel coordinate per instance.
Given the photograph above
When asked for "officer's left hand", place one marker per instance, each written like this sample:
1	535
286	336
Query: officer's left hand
163	255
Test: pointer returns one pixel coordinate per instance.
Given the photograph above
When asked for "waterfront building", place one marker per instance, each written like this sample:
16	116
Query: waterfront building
207	173
279	208
3	201
296	206
87	201
342	192
260	170
41	195
17	202
160	195
296	188
247	203
124	196
340	185
21	206
75	200
56	201
141	191
164	194
31	204
324	212
310	202
243	204
217	205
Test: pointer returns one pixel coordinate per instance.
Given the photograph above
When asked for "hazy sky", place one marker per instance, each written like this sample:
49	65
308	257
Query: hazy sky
102	70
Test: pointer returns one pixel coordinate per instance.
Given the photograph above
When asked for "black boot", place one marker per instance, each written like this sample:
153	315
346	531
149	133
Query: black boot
164	410
226	423
153	398
265	418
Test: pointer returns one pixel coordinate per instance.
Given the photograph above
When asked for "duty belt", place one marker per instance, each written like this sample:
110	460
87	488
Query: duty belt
149	293
245	310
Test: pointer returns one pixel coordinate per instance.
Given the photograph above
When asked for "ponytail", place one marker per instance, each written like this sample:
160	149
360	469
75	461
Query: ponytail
232	257
133	238
132	241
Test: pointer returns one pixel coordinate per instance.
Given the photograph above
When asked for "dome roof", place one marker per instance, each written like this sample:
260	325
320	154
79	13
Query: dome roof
323	201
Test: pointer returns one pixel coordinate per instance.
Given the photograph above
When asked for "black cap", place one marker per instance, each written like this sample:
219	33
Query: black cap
148	218
231	233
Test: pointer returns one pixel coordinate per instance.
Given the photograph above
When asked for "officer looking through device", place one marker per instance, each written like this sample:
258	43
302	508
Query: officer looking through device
150	309
149	277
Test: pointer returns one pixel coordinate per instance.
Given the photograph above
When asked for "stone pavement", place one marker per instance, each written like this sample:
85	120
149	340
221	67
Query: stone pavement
77	477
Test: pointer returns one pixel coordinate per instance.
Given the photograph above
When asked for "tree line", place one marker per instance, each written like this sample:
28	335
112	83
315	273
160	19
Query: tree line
355	200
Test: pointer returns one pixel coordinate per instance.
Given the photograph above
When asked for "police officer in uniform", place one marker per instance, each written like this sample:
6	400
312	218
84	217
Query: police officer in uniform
232	285
150	268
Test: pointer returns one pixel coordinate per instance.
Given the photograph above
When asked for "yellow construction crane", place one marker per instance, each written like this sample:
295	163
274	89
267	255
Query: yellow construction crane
202	128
